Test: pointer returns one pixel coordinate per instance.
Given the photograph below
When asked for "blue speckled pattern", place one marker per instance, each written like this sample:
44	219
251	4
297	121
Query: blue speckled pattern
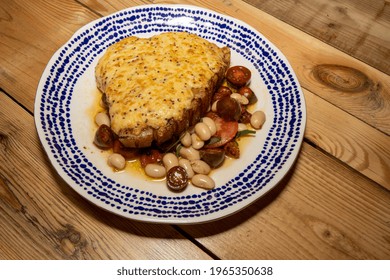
56	92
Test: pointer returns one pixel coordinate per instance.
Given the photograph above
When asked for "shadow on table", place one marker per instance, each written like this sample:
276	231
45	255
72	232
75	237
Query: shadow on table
234	220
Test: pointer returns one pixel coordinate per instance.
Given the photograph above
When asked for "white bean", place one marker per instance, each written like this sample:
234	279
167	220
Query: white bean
186	164
240	98
203	131
203	181
155	170
102	118
214	106
189	153
170	160
200	167
242	126
211	125
117	161
186	140
257	119
197	143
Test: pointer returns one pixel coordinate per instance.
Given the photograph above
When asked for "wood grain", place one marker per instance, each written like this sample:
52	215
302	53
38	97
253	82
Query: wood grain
357	144
31	31
41	217
333	204
321	210
359	28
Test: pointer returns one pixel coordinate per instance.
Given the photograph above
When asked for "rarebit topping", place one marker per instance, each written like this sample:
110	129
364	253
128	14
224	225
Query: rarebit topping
173	103
156	87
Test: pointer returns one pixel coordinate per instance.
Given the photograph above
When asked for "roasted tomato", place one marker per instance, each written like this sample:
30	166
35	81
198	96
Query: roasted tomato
150	156
245	115
232	149
177	178
238	76
104	137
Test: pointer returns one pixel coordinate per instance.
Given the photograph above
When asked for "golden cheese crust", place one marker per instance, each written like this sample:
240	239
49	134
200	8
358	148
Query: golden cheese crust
155	88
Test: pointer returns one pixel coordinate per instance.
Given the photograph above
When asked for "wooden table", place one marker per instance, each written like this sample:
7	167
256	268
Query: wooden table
333	204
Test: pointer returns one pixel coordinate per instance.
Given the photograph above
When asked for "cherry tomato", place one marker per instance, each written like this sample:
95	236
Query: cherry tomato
229	109
177	178
238	75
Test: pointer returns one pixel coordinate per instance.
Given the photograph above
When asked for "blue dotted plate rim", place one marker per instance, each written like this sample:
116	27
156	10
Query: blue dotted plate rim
277	155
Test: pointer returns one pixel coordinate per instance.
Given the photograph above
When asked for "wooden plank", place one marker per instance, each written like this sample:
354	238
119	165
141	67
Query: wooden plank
321	210
360	28
31	31
357	144
41	217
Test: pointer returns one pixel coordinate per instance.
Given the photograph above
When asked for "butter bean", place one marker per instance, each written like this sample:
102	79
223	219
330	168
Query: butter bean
196	142
186	164
102	118
186	140
211	125
200	167
214	106
170	160
257	119
155	170
189	153
203	181
203	131
117	161
240	98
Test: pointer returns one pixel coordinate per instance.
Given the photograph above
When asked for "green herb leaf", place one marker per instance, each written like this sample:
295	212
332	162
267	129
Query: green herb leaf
214	140
178	147
245	132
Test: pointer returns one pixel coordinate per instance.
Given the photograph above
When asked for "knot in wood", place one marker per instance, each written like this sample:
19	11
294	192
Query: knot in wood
341	78
3	141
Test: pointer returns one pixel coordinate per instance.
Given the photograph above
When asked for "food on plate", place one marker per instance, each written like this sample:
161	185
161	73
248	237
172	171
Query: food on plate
257	119
104	137
177	178
229	108
238	76
199	128
156	88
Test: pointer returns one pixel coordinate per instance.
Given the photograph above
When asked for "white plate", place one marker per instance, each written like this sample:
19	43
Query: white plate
67	92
